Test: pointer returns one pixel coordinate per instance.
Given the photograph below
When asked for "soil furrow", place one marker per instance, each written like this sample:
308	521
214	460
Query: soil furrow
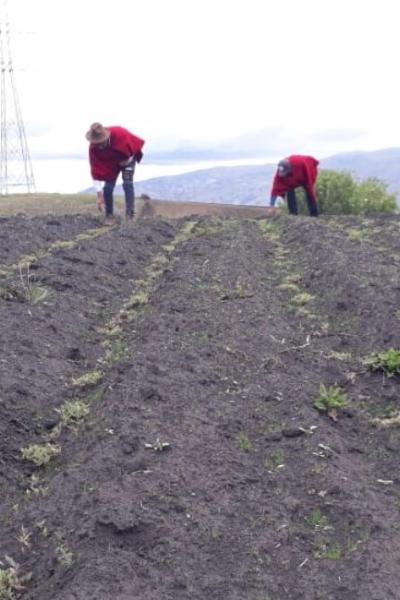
204	469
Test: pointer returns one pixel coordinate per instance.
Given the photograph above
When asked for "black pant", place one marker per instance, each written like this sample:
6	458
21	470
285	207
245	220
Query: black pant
127	183
292	203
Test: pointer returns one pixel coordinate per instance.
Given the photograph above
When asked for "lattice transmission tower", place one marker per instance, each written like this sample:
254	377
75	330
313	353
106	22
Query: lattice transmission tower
16	172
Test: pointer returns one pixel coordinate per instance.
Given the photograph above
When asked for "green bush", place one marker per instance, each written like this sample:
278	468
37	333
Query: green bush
339	194
335	191
372	196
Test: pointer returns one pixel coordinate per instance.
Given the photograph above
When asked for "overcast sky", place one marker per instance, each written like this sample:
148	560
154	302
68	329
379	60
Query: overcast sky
313	76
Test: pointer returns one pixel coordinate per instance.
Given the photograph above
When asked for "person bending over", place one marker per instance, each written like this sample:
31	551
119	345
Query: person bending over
113	150
296	171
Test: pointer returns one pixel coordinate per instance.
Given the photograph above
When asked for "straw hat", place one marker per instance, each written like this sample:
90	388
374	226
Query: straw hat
97	134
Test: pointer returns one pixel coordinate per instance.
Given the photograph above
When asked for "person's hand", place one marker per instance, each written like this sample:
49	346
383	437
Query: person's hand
272	211
100	201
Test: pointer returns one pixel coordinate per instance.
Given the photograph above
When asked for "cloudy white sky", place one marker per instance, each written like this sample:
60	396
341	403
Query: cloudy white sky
316	76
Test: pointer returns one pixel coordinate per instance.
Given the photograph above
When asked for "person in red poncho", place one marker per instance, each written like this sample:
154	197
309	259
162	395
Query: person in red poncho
113	150
296	171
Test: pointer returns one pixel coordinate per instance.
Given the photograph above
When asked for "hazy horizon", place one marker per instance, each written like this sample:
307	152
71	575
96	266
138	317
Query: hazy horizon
206	75
72	175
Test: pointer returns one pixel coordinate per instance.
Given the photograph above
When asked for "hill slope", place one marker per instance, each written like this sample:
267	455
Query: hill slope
172	366
251	184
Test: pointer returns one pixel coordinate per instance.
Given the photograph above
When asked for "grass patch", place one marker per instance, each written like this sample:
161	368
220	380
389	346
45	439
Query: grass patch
359	234
301	311
386	423
276	460
289	287
281	254
65	557
73	412
339	355
50	204
244	442
33	293
37	294
317	520
62	245
241	292
90	234
40	454
214	226
88	379
35	487
301	299
387	361
142	294
138	299
333	552
27	260
11	582
293	278
115	351
269	227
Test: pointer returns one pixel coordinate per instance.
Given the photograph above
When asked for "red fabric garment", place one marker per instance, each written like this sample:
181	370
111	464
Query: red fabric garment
105	162
304	173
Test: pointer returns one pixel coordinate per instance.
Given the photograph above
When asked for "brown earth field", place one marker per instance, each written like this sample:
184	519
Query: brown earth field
159	438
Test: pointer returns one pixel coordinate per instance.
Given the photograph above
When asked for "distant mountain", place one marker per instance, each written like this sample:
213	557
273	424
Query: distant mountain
383	164
251	184
233	185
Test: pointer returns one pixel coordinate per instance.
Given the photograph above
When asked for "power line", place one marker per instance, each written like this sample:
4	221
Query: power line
16	172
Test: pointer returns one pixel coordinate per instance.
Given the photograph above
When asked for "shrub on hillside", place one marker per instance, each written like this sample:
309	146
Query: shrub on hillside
335	191
339	194
372	196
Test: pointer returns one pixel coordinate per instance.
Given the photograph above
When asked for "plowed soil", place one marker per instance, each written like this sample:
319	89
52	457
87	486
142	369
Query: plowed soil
167	371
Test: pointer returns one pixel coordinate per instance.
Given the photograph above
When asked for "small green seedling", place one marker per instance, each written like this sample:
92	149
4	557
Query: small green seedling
244	442
158	445
330	400
317	520
333	552
24	537
64	556
11	582
387	361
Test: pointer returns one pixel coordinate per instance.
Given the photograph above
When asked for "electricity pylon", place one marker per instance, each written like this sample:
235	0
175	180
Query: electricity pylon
16	173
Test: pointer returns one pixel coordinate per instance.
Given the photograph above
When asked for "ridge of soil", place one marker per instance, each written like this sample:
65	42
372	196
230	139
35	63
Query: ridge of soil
200	467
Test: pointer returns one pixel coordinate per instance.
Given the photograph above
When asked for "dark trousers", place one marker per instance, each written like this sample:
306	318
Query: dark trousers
292	204
127	184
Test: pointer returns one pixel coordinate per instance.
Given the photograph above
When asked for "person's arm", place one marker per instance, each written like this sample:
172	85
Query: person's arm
278	190
273	200
98	185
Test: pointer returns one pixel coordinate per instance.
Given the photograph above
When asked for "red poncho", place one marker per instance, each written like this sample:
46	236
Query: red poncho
304	173
105	162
